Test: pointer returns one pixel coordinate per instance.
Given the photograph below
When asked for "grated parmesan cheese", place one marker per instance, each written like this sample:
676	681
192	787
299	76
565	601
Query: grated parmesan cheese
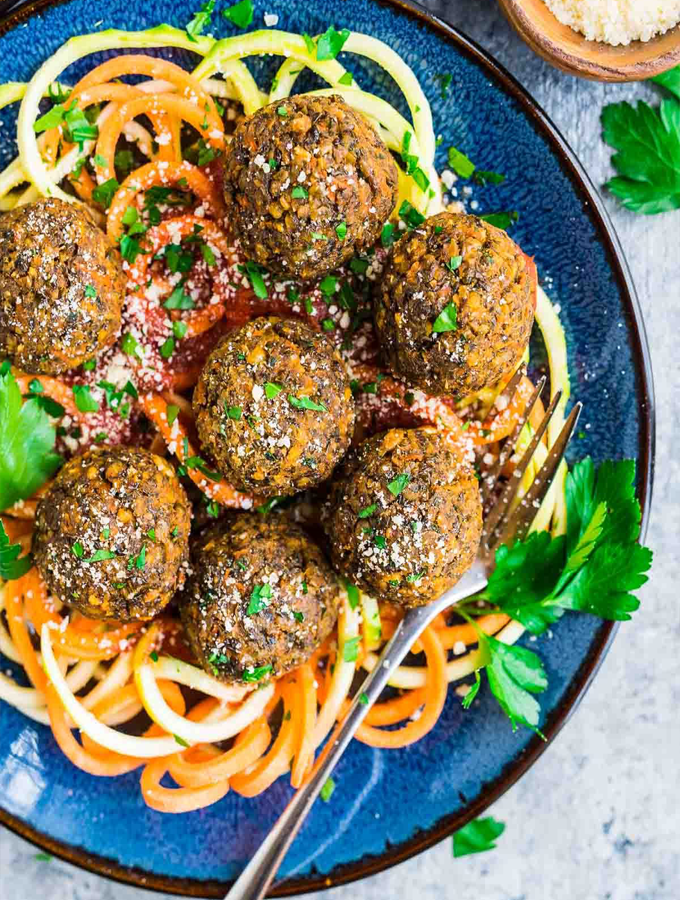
617	21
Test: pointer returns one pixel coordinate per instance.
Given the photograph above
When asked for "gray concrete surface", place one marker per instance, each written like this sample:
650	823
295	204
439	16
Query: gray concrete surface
598	817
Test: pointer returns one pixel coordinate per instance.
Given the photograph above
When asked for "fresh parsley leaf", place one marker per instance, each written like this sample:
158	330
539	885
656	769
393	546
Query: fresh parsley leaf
477	836
201	20
367	511
259	599
331	43
410	215
272	389
326	791
670	79
484	177
254	273
447	320
178	299
309	43
12	564
514	674
387	236
52	119
648	157
83	398
130	345
472	693
171	412
299	192
396	486
306	403
454	263
99	555
501	219
352	593
233	412
240	14
257	674
104	193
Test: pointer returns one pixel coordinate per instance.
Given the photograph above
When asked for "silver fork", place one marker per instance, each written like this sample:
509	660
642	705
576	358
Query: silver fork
500	526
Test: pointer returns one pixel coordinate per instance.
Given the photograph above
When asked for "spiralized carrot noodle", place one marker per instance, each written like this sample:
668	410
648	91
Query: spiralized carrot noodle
434	699
450	635
75	641
171	232
158	69
168	174
14	606
177	439
150	105
277	760
192	772
181	799
304	752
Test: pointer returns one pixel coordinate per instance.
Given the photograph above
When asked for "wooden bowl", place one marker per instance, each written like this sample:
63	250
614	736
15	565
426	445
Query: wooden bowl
570	51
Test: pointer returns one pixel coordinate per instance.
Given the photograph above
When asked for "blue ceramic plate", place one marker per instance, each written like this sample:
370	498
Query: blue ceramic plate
469	759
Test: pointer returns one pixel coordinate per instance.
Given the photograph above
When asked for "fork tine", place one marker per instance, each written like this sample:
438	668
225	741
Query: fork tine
500	509
519	522
491	476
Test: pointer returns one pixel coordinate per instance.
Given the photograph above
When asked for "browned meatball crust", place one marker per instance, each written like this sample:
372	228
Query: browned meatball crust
61	287
111	534
404	516
307	183
475	275
274	407
261	598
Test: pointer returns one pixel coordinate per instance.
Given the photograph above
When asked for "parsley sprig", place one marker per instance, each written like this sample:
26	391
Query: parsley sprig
593	568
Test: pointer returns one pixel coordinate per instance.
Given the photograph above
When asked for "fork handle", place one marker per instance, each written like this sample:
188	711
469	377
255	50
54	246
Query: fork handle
260	871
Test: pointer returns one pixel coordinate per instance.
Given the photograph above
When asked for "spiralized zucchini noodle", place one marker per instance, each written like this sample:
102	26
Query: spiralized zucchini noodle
95	677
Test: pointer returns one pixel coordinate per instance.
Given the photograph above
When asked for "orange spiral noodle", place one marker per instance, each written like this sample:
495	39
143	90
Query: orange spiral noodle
70	639
167	174
172	231
434	697
177	439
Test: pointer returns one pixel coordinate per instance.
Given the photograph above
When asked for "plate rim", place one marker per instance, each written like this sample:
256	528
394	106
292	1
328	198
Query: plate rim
364	867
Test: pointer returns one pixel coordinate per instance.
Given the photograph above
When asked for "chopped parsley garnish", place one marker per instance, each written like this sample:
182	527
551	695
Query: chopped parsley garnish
352	593
380	541
477	836
124	161
138	561
257	674
254	273
171	412
501	219
387	236
77	550
130	345
167	348
306	403
309	43
104	193
363	699
90	291
272	389
90	365
454	263
414	577
99	555
151	533
396	486
178	299
181	741
208	255
409	398
11	566
259	599
298	616
326	791
447	320
240	14
350	650
341	230
317	236
484	177
328	324
328	285
444	80
200	20
346	79
179	329
460	163
154	656
78	127
84	399
410	215
309	306
367	511
282	111
358	266
299	192
52	119
331	43
233	412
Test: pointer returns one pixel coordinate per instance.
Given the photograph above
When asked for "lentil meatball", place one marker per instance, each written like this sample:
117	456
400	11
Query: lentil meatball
469	273
111	534
307	182
61	287
404	516
261	598
273	407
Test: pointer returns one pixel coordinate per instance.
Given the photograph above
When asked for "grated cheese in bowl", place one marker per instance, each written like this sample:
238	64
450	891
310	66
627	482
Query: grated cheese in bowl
617	21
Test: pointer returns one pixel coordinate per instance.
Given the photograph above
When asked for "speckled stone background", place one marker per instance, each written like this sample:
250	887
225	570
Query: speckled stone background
598	817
